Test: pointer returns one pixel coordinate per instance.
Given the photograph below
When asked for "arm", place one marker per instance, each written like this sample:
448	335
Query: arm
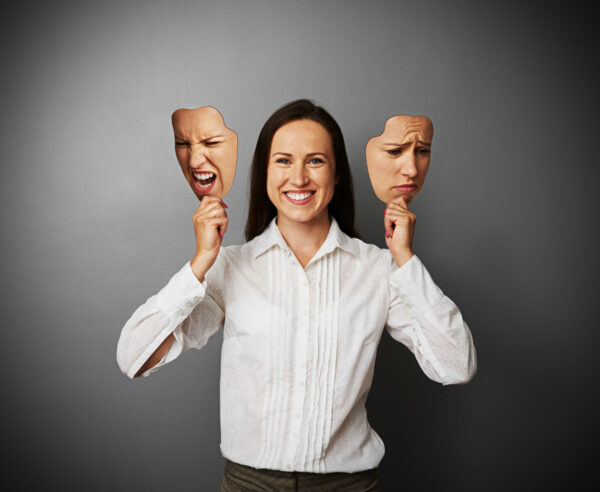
182	315
165	326
157	356
430	325
420	315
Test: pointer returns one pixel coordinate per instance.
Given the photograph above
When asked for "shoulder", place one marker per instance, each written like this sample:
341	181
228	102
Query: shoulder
368	258
370	252
233	257
240	252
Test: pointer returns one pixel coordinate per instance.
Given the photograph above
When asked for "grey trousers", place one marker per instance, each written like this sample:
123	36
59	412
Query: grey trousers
241	478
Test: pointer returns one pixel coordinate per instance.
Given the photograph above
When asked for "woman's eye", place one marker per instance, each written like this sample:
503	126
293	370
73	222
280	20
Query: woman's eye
282	160
423	152
316	160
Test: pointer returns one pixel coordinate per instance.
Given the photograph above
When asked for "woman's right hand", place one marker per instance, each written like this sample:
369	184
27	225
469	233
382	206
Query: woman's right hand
210	225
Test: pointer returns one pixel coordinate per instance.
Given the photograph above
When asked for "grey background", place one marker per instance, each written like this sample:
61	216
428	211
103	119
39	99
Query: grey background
96	217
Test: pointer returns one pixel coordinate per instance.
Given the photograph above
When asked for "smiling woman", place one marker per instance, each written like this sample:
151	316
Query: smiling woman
320	135
301	177
303	304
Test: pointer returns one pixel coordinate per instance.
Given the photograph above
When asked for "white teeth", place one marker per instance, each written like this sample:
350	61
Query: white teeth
204	175
299	196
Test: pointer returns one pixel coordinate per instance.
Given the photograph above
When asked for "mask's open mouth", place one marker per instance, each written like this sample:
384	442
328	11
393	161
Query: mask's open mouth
204	180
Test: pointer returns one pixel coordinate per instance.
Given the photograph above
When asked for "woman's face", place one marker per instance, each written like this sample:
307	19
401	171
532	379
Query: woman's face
301	172
206	150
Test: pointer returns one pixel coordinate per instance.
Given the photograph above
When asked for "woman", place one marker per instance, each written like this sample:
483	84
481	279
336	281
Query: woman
303	304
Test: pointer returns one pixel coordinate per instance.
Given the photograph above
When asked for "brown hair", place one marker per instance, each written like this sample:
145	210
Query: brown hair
261	211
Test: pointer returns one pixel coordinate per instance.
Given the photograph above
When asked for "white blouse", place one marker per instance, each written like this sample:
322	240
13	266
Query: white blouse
299	344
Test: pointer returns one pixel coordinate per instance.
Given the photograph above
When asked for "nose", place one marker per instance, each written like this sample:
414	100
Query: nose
408	166
298	175
197	156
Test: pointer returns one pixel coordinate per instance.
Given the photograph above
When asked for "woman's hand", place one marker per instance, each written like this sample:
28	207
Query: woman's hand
210	225
399	230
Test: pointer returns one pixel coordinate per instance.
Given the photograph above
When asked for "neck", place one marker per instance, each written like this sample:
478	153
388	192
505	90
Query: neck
304	238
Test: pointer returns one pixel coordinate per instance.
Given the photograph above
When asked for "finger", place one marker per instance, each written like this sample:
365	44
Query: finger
205	218
388	242
400	222
216	212
399	202
388	222
220	224
391	223
208	201
211	210
217	222
223	228
399	211
401	218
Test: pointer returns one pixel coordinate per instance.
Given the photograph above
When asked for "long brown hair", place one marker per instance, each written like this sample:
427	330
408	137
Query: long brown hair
261	211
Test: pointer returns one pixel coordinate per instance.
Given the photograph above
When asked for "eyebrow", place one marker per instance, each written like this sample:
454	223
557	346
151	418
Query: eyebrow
177	137
307	155
428	144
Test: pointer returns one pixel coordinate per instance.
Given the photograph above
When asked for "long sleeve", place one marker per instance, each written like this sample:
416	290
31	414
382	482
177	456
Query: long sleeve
184	308
430	325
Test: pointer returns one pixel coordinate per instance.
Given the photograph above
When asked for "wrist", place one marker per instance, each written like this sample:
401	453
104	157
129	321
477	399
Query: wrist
200	265
402	256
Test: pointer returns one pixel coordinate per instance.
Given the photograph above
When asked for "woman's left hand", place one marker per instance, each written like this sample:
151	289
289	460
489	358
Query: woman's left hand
399	230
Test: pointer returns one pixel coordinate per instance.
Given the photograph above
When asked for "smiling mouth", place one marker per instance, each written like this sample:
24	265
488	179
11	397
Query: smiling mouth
299	197
204	180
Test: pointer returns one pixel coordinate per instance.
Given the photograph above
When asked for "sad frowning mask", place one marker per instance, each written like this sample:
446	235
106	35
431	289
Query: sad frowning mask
206	150
398	159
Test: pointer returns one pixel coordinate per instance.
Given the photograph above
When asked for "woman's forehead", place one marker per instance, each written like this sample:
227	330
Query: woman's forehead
300	133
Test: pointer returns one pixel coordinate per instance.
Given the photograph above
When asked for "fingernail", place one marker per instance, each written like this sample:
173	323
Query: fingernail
224	205
388	235
384	211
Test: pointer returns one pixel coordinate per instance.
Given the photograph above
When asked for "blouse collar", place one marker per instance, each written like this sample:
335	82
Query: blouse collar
335	239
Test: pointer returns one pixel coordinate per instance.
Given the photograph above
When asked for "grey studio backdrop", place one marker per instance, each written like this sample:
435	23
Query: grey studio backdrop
96	217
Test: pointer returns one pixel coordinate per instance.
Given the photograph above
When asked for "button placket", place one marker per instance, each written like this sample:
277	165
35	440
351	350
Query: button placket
301	353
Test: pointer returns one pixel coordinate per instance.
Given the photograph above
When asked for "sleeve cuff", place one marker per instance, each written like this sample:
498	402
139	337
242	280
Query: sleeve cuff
182	294
415	287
